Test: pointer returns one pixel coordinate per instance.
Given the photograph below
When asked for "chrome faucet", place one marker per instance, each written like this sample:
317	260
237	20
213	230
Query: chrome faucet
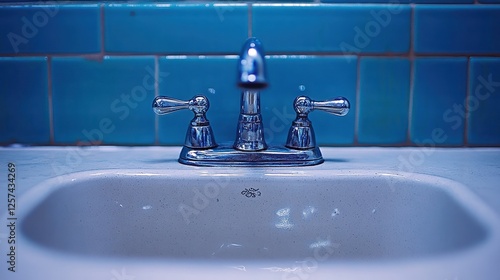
249	147
251	79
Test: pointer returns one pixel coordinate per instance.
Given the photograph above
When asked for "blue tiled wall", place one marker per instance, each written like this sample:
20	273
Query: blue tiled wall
417	72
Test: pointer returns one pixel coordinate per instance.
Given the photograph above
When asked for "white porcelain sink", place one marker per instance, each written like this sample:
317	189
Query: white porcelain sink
273	221
358	216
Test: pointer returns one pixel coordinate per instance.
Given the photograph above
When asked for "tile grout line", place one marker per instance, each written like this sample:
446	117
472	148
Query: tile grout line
312	54
467	96
250	29
102	31
411	57
50	99
157	93
358	94
410	101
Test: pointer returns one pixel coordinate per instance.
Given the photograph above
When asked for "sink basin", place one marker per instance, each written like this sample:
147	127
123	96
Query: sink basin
349	216
267	221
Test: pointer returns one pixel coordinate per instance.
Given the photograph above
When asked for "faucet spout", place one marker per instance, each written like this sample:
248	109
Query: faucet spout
250	130
251	67
251	78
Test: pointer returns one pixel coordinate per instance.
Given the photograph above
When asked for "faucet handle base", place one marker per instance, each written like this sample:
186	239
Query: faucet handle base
226	155
301	134
199	134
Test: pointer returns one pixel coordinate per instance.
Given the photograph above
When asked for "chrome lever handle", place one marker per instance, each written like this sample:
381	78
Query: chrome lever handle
165	105
301	134
199	134
304	105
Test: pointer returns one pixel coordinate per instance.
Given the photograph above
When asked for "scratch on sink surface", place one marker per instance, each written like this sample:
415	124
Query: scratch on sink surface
281	269
223	245
241	267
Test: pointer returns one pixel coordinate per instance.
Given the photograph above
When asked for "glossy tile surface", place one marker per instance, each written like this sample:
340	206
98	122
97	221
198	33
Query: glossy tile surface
320	78
347	29
439	87
103	102
383	100
24	101
484	101
400	1
46	29
175	28
313	49
443	1
457	29
214	77
361	1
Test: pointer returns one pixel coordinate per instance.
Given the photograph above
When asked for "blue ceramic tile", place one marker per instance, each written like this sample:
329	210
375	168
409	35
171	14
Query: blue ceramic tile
50	29
347	29
457	29
484	101
443	1
214	77
383	100
24	101
107	101
284	1
363	1
399	2
320	78
439	85
175	28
